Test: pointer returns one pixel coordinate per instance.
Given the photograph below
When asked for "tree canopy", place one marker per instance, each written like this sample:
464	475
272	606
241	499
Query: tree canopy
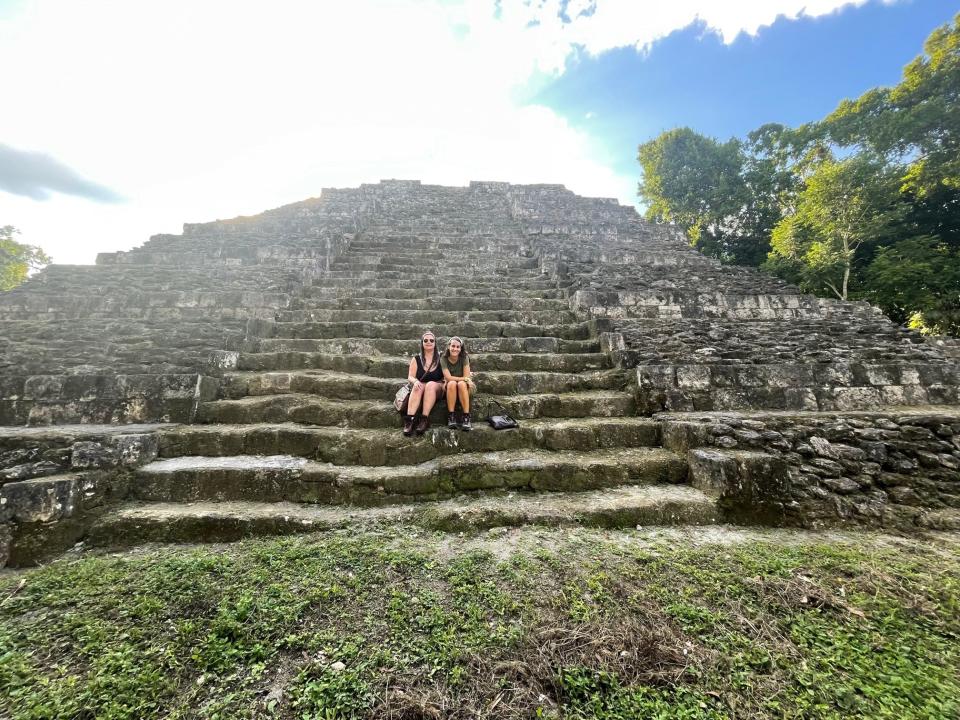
17	259
864	203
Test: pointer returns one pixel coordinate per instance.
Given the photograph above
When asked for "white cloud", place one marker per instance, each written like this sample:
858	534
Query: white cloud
601	25
196	110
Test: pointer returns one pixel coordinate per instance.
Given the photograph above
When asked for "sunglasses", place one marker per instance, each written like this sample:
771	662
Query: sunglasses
428	340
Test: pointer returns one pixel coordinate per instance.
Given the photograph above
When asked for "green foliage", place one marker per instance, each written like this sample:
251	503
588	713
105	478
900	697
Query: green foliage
563	623
883	223
918	281
843	205
697	183
17	259
326	694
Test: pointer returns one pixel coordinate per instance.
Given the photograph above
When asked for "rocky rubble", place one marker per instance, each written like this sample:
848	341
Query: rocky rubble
897	469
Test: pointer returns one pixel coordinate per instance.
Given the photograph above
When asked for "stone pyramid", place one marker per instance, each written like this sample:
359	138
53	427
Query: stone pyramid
236	380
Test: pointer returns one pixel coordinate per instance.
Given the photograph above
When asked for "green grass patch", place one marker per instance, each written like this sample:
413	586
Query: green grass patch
393	623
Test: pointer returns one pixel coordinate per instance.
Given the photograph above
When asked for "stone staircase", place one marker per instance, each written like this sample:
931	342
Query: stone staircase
237	380
306	418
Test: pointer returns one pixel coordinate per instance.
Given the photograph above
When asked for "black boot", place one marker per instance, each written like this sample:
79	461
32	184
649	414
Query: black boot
423	424
408	425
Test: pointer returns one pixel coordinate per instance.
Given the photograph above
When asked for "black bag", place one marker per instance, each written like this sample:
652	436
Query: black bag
501	421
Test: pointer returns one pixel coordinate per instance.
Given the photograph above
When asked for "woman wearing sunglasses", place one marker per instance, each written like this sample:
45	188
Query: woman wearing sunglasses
426	378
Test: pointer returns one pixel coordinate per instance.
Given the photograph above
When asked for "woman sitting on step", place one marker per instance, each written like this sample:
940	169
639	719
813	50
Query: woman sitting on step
455	364
427	379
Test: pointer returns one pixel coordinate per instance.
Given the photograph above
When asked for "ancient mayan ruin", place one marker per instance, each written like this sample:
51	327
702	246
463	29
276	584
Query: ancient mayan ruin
237	380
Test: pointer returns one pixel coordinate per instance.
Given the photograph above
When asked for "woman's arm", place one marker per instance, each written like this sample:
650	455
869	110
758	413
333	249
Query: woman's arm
412	373
465	377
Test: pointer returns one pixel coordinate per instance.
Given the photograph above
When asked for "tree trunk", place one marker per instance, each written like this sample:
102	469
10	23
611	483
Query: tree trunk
847	263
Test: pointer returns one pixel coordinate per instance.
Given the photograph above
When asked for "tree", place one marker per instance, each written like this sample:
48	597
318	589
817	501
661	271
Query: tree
917	121
695	182
843	205
17	259
882	223
917	281
771	182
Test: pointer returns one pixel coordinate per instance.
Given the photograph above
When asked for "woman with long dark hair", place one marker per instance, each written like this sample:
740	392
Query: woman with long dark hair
455	364
426	378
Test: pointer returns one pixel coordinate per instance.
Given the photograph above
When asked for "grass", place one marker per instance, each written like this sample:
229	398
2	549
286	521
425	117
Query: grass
401	623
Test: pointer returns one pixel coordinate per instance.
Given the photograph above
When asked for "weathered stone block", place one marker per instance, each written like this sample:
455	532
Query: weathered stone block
822	446
750	486
39	500
850	398
224	359
43	387
86	455
611	342
136	448
842	485
656	376
693	377
682	436
800	399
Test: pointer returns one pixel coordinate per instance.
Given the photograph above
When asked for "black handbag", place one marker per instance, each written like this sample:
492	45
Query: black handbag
501	421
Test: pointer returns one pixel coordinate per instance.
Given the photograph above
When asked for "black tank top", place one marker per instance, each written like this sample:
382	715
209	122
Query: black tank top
435	375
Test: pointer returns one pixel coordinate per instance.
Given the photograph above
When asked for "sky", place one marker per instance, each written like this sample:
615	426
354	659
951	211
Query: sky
125	118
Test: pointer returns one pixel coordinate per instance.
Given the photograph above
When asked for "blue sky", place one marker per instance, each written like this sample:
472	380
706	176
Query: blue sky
790	72
131	118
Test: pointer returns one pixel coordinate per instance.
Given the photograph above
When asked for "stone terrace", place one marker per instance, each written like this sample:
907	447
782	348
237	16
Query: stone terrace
259	356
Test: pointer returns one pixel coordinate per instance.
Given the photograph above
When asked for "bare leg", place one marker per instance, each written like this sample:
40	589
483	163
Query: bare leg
414	402
451	396
463	390
430	396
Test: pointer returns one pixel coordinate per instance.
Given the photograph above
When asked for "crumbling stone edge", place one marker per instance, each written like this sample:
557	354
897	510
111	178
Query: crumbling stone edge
56	481
896	469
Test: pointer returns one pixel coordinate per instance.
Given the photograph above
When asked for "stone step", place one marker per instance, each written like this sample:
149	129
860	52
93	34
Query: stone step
127	336
277	478
439	288
442	274
448	303
153	314
164	278
430	258
404	331
449	261
442	245
213	256
162	299
235	250
438	315
355	386
396	367
353	446
313	410
430	294
623	507
381	346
